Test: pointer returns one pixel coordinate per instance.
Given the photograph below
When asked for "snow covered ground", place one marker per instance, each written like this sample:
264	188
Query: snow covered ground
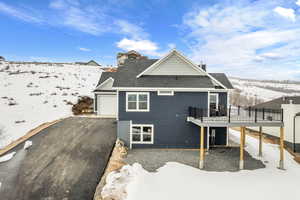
32	94
265	90
177	181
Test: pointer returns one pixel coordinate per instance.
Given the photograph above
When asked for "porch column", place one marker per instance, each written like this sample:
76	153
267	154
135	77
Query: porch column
201	163
242	140
281	162
260	142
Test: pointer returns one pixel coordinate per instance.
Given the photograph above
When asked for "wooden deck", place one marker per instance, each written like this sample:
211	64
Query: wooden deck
233	122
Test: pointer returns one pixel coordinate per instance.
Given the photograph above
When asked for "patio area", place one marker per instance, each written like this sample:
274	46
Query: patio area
216	159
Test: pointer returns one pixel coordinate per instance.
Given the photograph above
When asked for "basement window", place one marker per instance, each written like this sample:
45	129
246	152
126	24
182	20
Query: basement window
141	134
165	93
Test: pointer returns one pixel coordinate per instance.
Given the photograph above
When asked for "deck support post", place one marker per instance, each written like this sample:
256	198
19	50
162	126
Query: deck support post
260	142
242	142
201	163
281	162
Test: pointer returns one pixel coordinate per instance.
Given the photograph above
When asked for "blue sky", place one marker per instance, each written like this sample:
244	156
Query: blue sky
246	38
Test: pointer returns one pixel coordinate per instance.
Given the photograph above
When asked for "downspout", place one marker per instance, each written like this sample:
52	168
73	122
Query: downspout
294	131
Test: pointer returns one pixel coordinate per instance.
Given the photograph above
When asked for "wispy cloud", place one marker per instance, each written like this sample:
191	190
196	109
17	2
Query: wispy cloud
244	38
19	13
84	49
288	13
86	19
131	30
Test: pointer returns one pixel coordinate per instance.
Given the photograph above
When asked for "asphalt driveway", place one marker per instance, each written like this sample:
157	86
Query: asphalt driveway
66	161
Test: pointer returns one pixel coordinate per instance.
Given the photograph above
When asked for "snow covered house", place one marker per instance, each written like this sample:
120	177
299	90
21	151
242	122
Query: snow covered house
291	119
173	103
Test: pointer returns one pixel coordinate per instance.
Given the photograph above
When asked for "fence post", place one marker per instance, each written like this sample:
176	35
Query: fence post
249	111
229	114
255	115
201	114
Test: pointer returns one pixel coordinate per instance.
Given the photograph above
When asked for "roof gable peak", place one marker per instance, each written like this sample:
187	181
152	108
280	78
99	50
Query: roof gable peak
175	63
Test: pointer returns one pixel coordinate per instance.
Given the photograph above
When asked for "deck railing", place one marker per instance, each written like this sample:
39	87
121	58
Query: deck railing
237	114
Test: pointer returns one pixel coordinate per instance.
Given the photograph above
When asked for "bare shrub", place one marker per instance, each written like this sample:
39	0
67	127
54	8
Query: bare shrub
36	94
20	121
68	102
237	99
84	105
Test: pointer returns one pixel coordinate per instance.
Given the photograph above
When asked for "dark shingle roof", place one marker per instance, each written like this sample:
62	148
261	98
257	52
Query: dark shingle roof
222	78
105	76
276	103
126	77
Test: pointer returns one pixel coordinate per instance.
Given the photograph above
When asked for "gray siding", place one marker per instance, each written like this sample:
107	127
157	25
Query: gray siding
123	130
168	114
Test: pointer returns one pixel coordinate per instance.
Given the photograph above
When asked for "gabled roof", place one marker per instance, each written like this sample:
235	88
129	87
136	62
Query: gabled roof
276	103
196	69
222	78
105	77
126	76
93	62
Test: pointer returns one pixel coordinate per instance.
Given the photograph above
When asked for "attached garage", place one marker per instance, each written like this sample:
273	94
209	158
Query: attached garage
107	105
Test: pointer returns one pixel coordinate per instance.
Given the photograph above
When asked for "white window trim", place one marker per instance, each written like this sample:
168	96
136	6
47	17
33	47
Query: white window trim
137	102
217	99
159	93
141	142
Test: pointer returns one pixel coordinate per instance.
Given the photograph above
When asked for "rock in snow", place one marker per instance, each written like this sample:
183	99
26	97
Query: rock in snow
27	144
7	157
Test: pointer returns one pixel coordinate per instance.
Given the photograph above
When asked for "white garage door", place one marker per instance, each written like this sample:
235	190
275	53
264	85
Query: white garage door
107	105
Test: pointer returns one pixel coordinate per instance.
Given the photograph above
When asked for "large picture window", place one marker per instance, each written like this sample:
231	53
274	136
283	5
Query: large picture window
138	102
141	134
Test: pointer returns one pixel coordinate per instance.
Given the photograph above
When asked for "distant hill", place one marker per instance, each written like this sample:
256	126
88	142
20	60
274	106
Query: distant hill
250	91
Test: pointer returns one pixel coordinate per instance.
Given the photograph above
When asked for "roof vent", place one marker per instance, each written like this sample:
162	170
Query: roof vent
202	66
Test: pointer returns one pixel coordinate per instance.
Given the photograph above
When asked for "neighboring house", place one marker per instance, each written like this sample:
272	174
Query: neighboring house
121	57
150	99
291	119
91	63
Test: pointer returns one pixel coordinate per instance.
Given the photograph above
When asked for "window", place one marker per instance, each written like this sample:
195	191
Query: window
141	134
138	102
165	93
214	101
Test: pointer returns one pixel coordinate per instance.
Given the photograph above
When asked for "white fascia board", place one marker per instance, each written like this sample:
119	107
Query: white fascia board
174	89
105	92
196	67
109	79
166	57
